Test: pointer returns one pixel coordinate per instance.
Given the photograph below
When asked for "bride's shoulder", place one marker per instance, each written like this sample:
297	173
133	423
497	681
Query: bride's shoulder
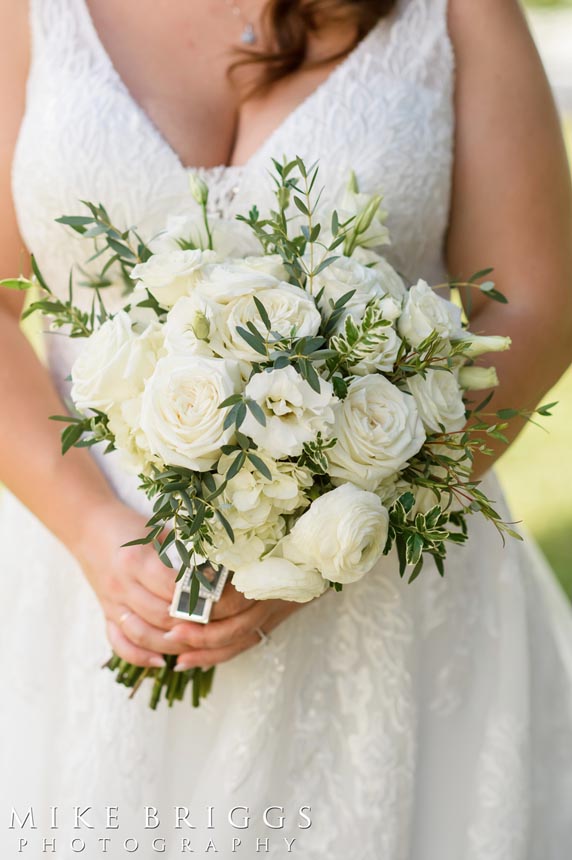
15	53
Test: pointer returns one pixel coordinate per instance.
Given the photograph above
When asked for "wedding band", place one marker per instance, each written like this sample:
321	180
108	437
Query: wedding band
264	638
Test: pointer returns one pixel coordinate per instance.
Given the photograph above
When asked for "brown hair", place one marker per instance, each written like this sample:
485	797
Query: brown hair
287	24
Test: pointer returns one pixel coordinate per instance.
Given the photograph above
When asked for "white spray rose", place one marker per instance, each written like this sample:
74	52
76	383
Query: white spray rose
114	363
180	413
278	579
290	310
382	358
294	412
391	282
171	274
271	264
231	238
342	534
249	544
426	312
439	400
377	428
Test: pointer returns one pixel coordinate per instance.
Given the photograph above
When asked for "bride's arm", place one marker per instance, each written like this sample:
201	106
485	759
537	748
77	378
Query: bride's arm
68	494
511	204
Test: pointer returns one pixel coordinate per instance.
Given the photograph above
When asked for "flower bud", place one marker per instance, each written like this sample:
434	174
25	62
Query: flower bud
477	378
201	326
199	189
475	345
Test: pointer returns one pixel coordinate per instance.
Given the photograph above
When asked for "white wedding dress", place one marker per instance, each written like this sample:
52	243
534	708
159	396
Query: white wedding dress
422	722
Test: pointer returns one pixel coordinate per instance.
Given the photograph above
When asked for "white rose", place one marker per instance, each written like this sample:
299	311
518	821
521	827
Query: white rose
425	312
278	579
223	282
193	326
180	413
439	400
171	274
377	428
114	363
290	310
271	264
342	534
294	412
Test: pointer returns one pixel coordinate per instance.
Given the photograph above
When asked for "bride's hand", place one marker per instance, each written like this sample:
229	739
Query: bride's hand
231	630
132	585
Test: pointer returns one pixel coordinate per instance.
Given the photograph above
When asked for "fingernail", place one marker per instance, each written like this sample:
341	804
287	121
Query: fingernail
158	662
171	634
181	668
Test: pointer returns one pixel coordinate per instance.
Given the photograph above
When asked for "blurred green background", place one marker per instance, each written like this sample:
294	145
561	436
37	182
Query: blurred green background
537	470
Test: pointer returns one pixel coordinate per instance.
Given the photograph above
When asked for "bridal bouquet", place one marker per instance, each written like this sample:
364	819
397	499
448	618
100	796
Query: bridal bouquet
291	408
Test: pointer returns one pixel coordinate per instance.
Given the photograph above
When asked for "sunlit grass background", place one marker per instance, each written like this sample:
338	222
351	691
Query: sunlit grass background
537	470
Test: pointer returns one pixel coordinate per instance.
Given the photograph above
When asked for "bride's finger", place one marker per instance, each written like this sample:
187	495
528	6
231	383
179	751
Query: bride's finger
157	578
217	634
130	652
213	656
150	608
144	635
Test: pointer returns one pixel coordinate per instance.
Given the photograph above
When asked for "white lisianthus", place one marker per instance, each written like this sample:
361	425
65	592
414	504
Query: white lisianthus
377	428
425	312
180	412
294	412
475	345
271	264
249	544
114	363
391	283
343	276
223	282
193	327
230	238
171	274
342	534
439	400
252	499
382	357
478	378
369	217
291	310
278	579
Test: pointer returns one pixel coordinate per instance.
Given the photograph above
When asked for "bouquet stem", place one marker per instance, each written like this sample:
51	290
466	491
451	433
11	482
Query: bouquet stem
165	680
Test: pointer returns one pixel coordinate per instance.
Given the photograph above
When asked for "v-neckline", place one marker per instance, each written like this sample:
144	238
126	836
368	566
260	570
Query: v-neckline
338	70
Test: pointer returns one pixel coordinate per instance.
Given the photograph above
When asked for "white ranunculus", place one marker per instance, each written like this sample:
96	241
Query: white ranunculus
377	428
193	326
278	579
180	412
382	358
169	275
224	282
342	534
475	345
290	309
478	378
114	363
425	312
439	400
294	412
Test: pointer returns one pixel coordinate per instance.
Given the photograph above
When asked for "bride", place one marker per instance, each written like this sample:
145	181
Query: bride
392	722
